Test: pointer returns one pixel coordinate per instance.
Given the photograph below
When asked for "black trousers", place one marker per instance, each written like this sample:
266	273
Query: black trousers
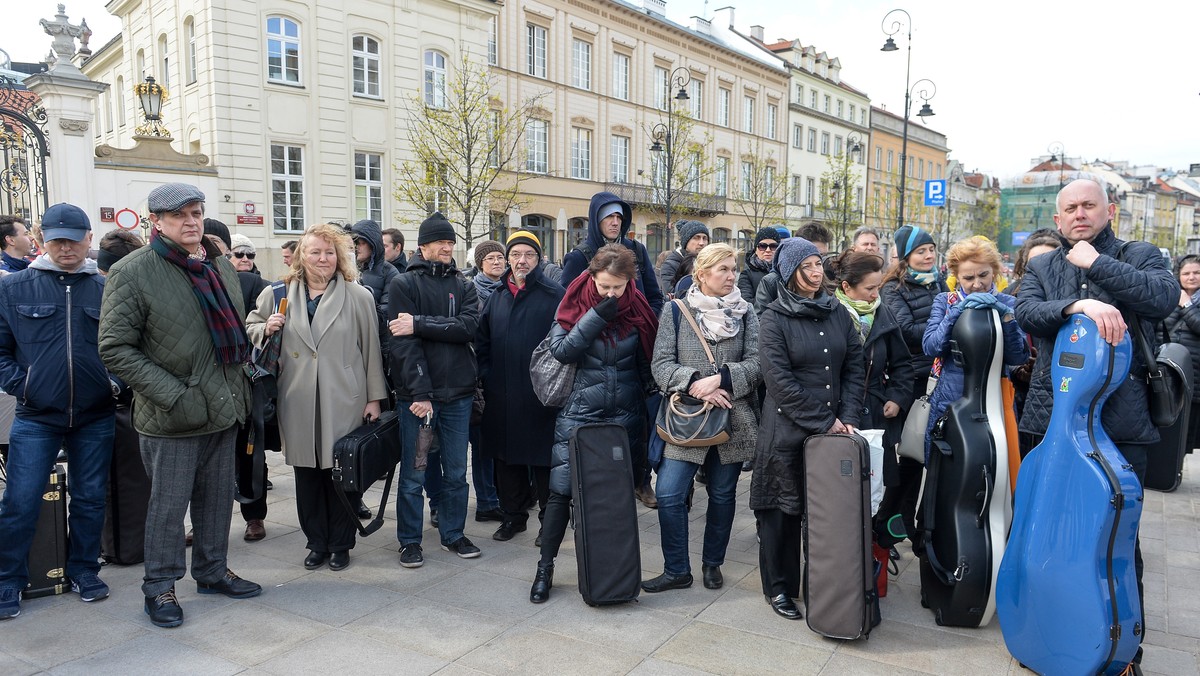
779	552
327	524
902	498
515	490
554	527
258	508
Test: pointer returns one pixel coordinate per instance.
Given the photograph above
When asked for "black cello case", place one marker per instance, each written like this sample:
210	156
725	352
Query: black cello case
966	508
1164	460
128	497
48	553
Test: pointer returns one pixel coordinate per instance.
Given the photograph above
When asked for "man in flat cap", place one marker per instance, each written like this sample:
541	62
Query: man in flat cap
171	328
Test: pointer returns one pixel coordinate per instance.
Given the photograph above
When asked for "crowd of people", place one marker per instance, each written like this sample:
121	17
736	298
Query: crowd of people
803	341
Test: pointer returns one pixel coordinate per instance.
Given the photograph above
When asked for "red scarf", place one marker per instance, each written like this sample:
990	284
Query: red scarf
633	312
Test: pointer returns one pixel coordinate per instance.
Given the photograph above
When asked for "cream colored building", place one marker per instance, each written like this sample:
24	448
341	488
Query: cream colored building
608	66
299	105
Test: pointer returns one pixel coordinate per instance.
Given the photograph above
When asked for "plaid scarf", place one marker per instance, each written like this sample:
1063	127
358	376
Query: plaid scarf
228	333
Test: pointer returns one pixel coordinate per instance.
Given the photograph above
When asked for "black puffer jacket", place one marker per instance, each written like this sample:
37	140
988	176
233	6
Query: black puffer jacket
751	277
812	363
911	304
1183	326
610	386
889	372
1139	283
377	274
436	362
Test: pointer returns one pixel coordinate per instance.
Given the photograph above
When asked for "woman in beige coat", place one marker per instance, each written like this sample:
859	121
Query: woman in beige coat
330	378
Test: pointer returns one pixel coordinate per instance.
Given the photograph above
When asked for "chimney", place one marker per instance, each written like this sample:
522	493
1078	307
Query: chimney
702	26
722	17
656	6
756	32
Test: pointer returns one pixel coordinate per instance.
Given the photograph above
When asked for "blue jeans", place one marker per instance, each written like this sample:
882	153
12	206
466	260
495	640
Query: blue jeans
33	447
483	474
674	482
451	421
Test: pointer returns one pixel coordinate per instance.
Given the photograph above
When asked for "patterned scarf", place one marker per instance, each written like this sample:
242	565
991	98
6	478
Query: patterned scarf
224	324
719	317
864	310
925	278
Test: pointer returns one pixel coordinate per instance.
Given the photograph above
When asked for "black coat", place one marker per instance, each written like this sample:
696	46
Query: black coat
252	285
1140	283
812	363
911	304
889	377
610	386
751	277
1183	326
437	361
518	429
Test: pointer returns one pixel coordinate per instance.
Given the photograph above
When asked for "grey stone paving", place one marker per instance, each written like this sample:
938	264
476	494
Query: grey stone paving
458	617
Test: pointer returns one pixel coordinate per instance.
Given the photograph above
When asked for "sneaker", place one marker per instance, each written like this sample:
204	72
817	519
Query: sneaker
89	587
410	555
10	602
463	547
164	610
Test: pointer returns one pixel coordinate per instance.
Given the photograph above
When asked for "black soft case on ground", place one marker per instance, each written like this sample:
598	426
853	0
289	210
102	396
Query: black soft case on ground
1164	460
123	540
606	524
48	556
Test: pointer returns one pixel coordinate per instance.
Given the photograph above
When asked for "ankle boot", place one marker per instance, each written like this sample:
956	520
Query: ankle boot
542	582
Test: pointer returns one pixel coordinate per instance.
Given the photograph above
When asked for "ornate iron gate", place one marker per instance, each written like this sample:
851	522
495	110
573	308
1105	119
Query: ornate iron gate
24	152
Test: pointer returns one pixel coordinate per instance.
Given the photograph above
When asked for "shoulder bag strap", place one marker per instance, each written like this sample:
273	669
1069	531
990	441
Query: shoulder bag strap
683	310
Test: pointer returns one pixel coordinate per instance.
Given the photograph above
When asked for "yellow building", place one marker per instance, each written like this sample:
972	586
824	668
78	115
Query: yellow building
927	160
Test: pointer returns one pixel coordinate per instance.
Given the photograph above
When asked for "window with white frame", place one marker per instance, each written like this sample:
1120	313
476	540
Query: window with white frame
696	99
810	190
798	136
824	143
287	188
768	181
794	193
891	158
581	64
812	140
535	50
189	28
618	162
164	63
437	198
840	108
493	142
692	182
828	98
748	114
862	117
368	186
108	111
878	158
723	97
493	56
799	94
283	50
812	99
364	62
620	76
662	88
721	177
435	79
851	116
747	179
581	153
121	102
537	150
837	146
772	120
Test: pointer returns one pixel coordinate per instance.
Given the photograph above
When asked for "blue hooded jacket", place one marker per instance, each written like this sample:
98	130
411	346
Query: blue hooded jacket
576	261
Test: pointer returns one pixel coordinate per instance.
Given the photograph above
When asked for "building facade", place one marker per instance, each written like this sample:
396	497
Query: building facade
928	156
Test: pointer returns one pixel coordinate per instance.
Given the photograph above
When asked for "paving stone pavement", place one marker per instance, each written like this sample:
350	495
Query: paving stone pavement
458	617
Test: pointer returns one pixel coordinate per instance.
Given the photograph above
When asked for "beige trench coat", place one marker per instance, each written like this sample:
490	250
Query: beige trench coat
328	371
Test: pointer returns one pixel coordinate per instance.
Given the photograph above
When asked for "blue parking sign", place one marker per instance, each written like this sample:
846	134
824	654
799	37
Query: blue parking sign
935	193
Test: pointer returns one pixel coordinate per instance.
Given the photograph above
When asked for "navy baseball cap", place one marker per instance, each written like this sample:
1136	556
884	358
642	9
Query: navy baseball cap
65	221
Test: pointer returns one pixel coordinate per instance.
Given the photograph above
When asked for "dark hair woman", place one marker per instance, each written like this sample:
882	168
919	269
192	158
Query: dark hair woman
812	361
604	325
1183	326
908	291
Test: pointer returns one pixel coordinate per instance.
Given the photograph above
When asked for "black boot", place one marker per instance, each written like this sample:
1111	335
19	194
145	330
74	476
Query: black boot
542	582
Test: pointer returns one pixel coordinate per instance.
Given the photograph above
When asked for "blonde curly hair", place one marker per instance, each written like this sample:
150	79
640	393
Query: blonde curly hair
977	249
336	235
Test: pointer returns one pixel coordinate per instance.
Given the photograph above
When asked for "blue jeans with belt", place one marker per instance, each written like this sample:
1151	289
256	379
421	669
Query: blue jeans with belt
674	482
451	421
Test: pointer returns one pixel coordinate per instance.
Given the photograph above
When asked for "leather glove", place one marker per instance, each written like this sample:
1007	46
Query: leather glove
607	309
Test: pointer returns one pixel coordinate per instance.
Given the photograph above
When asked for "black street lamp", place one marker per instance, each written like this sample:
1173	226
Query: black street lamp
663	135
842	185
896	26
1058	153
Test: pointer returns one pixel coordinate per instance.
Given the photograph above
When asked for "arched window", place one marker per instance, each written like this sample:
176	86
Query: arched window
577	230
141	64
283	50
189	31
119	93
365	66
543	228
720	235
164	64
435	79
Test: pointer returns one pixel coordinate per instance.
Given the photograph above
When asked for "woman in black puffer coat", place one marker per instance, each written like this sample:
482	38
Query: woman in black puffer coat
1183	326
604	325
908	292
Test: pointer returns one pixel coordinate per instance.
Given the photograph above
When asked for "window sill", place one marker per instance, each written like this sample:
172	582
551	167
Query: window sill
281	83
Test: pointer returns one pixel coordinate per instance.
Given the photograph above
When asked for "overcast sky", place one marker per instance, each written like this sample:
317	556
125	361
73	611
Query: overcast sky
1109	80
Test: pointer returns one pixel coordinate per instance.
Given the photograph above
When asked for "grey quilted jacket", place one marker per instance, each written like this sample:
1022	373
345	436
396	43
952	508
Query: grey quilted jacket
154	337
678	356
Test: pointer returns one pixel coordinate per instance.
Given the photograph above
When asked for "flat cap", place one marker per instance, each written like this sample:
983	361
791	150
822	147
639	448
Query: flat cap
172	196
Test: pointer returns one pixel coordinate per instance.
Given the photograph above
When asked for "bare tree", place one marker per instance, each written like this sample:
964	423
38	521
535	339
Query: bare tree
468	148
762	193
680	165
838	198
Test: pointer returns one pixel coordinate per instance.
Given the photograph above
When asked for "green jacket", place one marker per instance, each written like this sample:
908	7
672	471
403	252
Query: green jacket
153	336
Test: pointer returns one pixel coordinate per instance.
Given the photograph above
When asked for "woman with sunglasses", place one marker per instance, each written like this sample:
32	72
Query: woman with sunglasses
758	262
1183	326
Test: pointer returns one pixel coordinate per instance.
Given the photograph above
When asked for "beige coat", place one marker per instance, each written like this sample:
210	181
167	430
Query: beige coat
328	371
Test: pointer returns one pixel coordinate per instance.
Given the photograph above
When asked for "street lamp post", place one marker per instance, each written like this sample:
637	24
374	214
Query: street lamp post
1058	153
663	135
842	185
896	25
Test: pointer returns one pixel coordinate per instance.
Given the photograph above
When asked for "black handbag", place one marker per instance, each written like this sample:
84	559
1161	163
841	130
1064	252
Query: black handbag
364	456
1165	379
684	420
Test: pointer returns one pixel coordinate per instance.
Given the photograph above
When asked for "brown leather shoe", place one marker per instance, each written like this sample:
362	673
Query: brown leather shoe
255	530
187	539
646	495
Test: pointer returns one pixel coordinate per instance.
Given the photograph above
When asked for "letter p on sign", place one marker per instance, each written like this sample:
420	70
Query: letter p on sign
935	193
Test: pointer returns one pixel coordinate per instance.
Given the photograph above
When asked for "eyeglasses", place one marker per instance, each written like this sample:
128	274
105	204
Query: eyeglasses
527	256
494	258
243	254
763	246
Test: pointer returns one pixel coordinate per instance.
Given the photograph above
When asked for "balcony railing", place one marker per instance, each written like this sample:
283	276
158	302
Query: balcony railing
650	197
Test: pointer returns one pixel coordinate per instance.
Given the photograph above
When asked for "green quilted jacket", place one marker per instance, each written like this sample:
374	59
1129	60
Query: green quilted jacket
153	337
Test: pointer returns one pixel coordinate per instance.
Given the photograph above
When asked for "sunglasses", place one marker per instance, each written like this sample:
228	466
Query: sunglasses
763	246
242	254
